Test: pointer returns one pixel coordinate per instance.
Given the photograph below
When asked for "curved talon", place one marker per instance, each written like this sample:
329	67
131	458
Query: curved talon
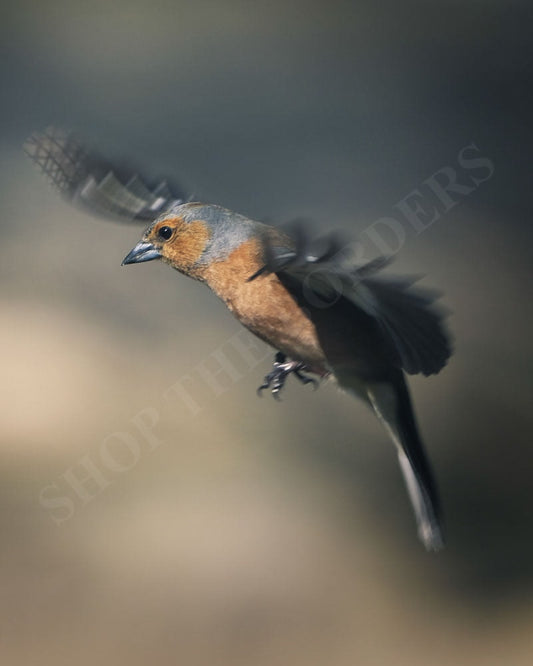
276	394
276	378
306	380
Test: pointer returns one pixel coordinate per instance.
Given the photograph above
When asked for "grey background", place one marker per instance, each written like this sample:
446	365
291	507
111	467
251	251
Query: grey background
257	532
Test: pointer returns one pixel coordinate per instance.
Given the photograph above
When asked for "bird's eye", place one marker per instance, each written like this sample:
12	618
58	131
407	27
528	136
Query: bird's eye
165	233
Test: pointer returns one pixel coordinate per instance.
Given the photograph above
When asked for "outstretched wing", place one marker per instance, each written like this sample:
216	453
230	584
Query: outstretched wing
410	323
86	179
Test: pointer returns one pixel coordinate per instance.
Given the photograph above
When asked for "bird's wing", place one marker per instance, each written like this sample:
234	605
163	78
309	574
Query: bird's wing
87	180
410	322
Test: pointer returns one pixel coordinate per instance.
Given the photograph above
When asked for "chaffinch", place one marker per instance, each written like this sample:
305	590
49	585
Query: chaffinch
322	315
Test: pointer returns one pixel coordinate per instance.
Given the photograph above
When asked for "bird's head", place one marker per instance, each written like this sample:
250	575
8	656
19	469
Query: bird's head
192	236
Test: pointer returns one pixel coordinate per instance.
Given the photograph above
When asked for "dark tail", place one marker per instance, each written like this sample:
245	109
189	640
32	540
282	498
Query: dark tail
392	405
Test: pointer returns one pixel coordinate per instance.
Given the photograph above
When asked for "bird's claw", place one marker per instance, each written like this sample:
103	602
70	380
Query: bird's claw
276	378
305	379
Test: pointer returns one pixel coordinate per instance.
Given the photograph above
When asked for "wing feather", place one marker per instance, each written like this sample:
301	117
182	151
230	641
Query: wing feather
411	324
87	180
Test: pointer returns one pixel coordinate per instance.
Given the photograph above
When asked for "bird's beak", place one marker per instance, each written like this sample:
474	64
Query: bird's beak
143	251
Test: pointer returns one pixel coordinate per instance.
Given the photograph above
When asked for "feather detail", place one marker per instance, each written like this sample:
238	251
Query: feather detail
392	405
410	323
87	180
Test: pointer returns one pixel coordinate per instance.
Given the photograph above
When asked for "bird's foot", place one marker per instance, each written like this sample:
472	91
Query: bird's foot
282	368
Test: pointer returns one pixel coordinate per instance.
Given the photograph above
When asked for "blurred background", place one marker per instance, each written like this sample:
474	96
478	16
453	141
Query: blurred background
242	531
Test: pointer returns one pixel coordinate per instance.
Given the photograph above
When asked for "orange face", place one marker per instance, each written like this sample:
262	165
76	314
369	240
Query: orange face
175	241
181	243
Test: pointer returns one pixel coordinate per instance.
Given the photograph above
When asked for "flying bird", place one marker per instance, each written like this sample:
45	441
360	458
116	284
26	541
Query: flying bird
324	316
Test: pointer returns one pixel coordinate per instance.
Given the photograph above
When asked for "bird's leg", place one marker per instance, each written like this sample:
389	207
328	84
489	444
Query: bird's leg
282	368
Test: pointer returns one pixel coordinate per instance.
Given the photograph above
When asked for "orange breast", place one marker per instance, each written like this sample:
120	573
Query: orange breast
264	305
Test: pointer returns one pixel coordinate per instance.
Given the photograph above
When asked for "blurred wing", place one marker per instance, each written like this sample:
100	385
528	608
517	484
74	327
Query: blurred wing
411	324
87	180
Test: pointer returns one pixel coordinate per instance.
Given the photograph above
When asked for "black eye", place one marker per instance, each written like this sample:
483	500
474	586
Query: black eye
165	233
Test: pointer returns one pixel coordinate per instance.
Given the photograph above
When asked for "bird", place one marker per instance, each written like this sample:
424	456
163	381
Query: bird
323	315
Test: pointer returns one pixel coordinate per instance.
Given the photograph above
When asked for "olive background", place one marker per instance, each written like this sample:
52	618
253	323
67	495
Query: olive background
240	530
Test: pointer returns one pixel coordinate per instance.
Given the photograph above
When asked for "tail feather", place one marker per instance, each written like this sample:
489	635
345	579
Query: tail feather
429	527
392	405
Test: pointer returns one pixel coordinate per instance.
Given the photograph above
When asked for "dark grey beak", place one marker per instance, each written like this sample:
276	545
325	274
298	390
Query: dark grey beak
141	252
